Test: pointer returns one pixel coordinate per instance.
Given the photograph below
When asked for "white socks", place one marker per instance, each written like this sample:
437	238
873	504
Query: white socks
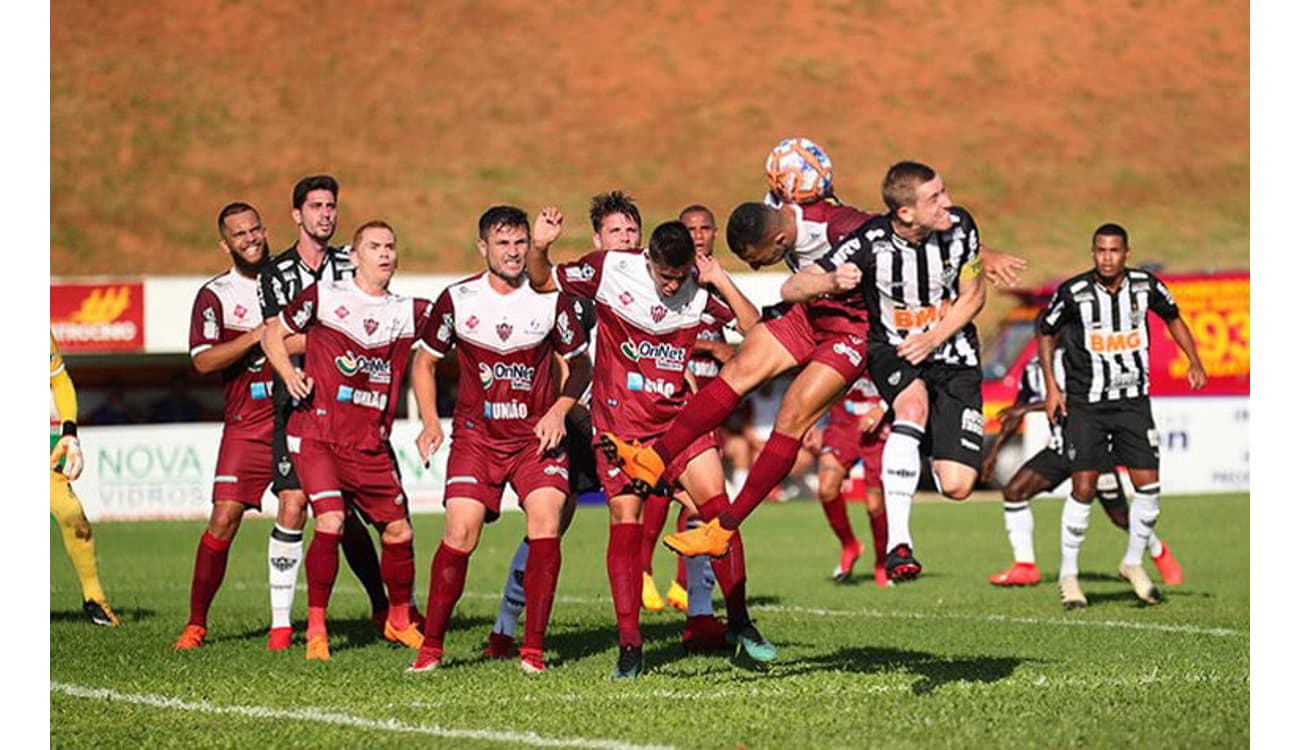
1142	515
1020	530
284	557
900	471
1074	527
512	598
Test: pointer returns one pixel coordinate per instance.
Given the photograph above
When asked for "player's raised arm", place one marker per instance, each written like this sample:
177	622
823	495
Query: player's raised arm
546	229
814	281
709	271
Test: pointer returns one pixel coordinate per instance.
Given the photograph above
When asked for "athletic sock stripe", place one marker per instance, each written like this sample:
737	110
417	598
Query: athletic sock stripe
908	429
285	535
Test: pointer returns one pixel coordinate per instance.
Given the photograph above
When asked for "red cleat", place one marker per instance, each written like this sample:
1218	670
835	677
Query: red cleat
1019	574
427	659
191	637
530	661
279	639
849	555
882	578
499	646
704	633
1167	565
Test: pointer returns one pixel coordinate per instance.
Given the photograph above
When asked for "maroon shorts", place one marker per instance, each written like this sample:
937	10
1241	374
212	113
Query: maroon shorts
369	479
846	442
243	470
615	482
844	352
479	471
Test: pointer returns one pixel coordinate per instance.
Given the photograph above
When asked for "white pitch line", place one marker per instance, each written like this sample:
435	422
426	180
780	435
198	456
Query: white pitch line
322	716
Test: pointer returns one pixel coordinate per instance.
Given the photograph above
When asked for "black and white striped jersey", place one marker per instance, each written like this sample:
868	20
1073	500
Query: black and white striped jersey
1033	390
1105	334
286	275
909	288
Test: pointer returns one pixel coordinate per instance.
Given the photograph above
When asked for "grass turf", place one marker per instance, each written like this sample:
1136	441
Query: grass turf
948	660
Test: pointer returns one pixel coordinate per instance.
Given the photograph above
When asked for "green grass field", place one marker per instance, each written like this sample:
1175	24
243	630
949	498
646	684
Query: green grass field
946	661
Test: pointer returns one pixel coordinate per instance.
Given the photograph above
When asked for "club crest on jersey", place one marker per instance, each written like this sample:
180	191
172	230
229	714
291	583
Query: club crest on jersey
584	272
472	323
210	329
444	330
342	312
626	298
371	325
566	330
240	311
504	330
658	313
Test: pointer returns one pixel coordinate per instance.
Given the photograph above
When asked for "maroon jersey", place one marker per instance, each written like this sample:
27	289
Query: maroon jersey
225	308
822	225
505	343
358	346
858	400
644	340
704	366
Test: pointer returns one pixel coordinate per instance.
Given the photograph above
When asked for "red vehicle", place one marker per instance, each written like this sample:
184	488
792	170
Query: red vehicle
1216	307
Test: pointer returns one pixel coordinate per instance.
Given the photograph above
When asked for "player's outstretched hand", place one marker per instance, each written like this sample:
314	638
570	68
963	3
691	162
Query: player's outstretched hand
428	441
68	450
707	269
547	226
1003	269
549	431
847	277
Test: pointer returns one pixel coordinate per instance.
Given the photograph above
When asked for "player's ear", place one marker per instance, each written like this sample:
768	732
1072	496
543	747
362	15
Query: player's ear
297	216
482	247
595	241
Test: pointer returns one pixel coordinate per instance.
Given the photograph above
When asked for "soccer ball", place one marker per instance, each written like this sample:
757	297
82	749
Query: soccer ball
799	170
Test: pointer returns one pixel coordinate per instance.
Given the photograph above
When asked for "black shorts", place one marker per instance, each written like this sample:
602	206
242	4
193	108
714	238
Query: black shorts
955	431
582	456
283	476
1097	436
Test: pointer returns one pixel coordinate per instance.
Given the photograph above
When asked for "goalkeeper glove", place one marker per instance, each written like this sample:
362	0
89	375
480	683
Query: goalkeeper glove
67	451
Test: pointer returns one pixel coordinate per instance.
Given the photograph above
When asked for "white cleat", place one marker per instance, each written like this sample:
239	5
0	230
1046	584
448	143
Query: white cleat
1071	595
1142	585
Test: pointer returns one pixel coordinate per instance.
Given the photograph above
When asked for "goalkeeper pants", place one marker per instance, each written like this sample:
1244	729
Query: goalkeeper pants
77	538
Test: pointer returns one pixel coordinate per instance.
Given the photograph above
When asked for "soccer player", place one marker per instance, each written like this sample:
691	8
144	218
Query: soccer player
508	426
1044	471
225	333
649	307
1101	317
360	342
66	463
310	259
856	430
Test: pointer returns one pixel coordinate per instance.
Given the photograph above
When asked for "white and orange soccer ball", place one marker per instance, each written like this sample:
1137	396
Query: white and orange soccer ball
799	170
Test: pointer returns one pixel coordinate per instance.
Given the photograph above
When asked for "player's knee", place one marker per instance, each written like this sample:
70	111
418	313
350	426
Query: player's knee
330	522
81	529
396	532
828	488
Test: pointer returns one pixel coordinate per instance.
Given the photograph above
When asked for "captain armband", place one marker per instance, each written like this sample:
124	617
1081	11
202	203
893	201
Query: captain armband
973	269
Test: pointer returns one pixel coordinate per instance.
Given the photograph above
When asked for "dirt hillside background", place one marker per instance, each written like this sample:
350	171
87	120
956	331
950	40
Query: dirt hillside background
1045	118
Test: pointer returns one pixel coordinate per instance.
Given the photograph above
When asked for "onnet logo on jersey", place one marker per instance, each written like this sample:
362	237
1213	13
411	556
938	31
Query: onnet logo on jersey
519	375
378	368
637	382
665	356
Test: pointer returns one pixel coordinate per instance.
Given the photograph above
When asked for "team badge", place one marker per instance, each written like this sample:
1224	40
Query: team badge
472	323
371	325
284	466
895	377
240	311
658	312
626	298
504	330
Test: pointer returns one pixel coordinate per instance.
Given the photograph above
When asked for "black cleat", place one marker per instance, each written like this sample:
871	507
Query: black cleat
631	663
901	565
99	613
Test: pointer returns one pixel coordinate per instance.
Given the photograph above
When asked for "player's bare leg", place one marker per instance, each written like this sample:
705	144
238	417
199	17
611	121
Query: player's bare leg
761	357
809	396
830	492
210	568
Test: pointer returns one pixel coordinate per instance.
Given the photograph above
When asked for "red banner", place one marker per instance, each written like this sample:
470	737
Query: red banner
1217	310
104	317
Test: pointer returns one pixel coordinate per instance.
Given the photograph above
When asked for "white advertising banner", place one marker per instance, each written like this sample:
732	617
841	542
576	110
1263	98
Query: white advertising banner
1204	443
165	471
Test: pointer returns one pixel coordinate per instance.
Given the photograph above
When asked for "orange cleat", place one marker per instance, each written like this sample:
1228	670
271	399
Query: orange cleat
710	539
191	637
318	648
499	646
409	636
677	597
638	461
427	660
530	661
279	639
1167	565
1019	574
849	555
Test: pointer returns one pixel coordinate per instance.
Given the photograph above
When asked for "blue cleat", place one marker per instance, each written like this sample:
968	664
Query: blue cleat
756	646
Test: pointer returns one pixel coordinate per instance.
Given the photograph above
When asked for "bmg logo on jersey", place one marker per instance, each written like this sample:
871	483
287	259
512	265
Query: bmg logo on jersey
637	382
1116	342
519	376
665	356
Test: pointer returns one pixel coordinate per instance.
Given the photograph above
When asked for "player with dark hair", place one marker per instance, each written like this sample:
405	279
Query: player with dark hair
649	307
1100	318
509	425
309	260
225	335
347	393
